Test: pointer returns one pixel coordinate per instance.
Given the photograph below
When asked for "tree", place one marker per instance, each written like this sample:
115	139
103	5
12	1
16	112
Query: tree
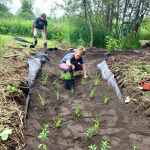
3	8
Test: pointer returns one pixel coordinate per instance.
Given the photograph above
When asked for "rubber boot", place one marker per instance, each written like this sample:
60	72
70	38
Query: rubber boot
35	42
45	45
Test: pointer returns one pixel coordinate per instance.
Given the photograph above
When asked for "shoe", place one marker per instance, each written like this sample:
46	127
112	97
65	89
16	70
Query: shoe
35	43
45	45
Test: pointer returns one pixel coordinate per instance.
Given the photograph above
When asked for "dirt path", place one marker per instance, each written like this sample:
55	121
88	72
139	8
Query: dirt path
119	124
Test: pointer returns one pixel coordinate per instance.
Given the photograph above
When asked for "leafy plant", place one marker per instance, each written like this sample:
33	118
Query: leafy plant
92	92
66	76
134	99
57	93
43	136
106	98
89	132
134	147
5	133
57	122
42	98
105	145
55	81
78	110
83	81
92	147
97	79
12	89
45	76
111	43
96	125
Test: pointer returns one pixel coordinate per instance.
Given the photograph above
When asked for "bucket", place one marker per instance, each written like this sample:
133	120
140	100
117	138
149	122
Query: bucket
32	46
70	83
55	48
107	55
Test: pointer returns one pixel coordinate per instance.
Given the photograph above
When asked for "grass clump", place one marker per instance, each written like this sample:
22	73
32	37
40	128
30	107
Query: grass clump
57	93
66	76
97	79
78	110
92	92
42	98
83	81
43	136
45	76
57	122
55	81
106	98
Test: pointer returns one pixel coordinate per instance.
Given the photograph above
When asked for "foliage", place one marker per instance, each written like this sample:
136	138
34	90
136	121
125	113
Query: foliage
42	98
45	76
106	98
92	92
66	76
111	44
97	79
12	89
55	81
92	147
26	16
134	147
105	145
57	93
57	122
43	136
78	110
83	80
4	8
4	132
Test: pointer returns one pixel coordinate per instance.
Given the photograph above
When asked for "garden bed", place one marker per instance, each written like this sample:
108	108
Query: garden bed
120	125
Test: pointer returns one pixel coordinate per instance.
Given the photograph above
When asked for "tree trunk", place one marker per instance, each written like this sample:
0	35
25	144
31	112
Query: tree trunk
111	17
117	19
107	15
91	44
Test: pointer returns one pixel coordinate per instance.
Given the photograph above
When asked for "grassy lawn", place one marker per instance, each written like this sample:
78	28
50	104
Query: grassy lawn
9	41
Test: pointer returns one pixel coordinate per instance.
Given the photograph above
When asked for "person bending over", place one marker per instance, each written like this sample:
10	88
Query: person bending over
38	25
74	61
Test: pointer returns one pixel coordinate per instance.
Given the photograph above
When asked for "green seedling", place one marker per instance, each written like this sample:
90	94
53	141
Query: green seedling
105	145
78	110
89	74
97	79
42	98
106	98
96	125
45	76
43	136
71	89
66	76
55	81
92	147
134	99
83	81
5	133
87	99
134	147
57	93
89	132
57	122
149	107
12	89
92	92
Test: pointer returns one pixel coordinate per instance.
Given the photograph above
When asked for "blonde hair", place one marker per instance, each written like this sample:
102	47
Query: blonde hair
81	50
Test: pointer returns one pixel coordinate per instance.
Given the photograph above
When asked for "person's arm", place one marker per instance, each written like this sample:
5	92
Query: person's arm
46	30
84	70
68	63
32	27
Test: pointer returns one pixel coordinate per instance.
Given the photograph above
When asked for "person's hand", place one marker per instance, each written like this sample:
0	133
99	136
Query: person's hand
73	67
85	76
32	31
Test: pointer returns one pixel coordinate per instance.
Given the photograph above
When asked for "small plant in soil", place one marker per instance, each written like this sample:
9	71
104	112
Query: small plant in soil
89	74
97	79
12	89
89	132
4	132
71	89
106	98
96	125
134	147
78	110
42	98
45	76
66	76
57	122
55	81
92	92
43	136
83	81
57	93
134	99
105	145
92	147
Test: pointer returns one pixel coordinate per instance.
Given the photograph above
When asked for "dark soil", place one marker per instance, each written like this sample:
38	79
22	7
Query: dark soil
119	124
